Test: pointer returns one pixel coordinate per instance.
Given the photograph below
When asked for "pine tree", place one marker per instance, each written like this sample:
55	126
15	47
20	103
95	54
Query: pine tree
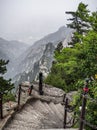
93	21
59	47
5	85
79	22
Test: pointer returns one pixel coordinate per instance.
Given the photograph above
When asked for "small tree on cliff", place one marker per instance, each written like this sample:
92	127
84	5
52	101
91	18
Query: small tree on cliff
5	85
79	22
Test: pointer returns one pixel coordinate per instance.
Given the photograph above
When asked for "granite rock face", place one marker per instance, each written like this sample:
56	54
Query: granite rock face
39	56
11	50
38	115
26	62
41	112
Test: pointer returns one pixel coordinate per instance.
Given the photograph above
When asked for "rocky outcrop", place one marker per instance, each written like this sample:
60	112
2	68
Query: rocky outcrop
40	112
38	115
39	56
42	64
26	64
11	50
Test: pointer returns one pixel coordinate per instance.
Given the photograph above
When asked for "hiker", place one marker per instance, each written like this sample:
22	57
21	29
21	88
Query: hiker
30	90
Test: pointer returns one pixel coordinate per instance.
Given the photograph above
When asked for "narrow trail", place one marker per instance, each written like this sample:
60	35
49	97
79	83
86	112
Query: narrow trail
42	112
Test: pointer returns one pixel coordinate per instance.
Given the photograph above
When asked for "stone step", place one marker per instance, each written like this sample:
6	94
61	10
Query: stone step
18	122
52	108
38	115
56	111
21	128
51	119
59	118
11	129
21	124
41	129
60	108
22	119
48	108
39	106
38	129
62	129
25	126
30	110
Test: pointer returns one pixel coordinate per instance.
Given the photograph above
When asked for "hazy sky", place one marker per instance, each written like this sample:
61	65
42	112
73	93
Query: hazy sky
29	20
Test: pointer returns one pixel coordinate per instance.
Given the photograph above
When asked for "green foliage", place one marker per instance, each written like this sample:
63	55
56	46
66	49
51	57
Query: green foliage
93	21
3	64
75	64
5	85
8	97
79	22
59	47
55	81
91	105
91	112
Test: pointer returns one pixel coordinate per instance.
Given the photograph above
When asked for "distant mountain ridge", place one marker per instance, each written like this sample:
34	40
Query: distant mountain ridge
11	50
27	61
39	56
60	35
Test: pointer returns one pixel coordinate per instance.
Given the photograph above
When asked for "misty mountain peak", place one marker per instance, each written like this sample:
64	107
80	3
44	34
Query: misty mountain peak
26	62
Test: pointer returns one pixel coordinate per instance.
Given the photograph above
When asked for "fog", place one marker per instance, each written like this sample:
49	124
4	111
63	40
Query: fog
29	20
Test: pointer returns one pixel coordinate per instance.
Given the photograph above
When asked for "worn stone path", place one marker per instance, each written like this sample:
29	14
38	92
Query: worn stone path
41	112
38	115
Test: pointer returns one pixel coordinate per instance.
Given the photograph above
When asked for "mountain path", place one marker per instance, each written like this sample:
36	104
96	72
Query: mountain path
42	112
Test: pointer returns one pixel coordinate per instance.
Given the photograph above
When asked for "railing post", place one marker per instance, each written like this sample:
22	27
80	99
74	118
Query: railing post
65	112
1	106
40	83
19	95
82	117
64	97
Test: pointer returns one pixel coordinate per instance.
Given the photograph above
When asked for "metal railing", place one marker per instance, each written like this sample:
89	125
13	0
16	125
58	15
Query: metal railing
75	119
83	121
20	90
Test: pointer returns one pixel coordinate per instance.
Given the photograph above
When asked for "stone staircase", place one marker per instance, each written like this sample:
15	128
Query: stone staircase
38	115
41	112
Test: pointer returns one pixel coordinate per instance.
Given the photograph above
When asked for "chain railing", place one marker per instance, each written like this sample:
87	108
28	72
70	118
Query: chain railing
83	121
68	109
74	119
18	98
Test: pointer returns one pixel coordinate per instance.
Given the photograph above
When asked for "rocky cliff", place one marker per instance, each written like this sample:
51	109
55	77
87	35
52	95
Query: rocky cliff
39	56
25	64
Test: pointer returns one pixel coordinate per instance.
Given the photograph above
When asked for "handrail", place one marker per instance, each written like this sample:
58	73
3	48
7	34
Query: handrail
89	124
68	108
91	99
